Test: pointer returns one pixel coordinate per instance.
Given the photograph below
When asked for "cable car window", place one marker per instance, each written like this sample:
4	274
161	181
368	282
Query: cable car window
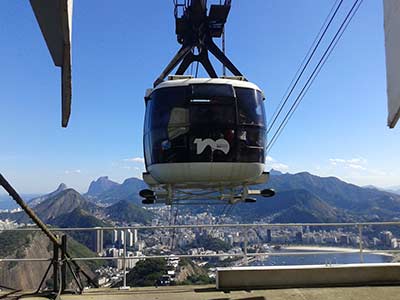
253	137
212	113
250	107
147	117
212	91
212	103
168	108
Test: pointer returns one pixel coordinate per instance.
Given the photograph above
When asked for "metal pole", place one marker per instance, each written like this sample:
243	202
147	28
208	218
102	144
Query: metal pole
13	193
53	238
124	287
223	50
125	258
63	263
360	242
55	266
245	247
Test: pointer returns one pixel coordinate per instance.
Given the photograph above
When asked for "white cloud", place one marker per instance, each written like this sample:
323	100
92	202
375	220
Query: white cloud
353	163
357	167
271	163
135	160
337	160
73	171
356	170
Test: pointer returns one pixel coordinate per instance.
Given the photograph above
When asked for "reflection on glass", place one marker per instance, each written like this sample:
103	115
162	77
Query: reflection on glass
250	107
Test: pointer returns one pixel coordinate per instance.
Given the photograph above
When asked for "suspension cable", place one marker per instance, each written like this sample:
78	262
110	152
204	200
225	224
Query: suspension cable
316	71
303	66
304	59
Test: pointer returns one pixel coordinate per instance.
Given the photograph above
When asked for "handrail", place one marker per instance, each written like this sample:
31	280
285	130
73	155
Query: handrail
245	225
244	228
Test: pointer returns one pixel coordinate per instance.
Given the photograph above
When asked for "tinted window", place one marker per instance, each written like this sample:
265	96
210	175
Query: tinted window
250	107
252	136
204	113
212	91
168	107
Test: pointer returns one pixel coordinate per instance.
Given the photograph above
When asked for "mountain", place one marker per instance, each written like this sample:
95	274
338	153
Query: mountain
68	208
23	244
63	203
128	191
372	187
300	197
35	201
367	202
124	211
397	192
393	189
101	185
71	209
291	206
304	197
79	218
58	204
273	172
6	202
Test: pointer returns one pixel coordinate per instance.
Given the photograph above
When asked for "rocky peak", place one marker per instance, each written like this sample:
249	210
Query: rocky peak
101	185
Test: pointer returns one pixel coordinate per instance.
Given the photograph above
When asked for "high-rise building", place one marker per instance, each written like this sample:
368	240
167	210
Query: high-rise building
121	237
394	243
114	236
131	237
299	237
99	241
269	236
386	238
344	239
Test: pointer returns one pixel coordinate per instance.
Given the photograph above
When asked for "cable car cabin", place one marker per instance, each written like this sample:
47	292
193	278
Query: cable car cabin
204	133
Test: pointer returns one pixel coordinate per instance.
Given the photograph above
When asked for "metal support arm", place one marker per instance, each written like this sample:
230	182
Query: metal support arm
58	245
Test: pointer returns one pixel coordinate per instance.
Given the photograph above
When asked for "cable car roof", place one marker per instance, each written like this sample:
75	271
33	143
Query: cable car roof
188	81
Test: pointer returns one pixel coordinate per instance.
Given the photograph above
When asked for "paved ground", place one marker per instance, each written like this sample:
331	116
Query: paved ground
209	293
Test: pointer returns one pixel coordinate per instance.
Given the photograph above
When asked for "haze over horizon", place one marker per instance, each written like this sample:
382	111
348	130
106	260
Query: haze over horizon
339	129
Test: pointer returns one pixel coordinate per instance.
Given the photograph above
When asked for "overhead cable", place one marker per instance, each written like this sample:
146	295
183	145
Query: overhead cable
306	61
316	71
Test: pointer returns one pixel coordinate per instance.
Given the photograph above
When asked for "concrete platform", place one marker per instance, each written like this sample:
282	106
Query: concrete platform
210	293
307	276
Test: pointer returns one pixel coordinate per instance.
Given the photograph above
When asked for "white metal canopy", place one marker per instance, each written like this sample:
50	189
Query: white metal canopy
55	21
392	45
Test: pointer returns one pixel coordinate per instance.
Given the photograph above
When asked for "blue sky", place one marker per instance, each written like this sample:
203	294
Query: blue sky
119	48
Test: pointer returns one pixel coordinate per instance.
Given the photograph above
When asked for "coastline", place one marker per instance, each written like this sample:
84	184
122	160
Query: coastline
322	248
334	249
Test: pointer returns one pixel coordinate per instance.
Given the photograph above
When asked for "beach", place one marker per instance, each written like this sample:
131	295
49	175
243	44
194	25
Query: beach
334	249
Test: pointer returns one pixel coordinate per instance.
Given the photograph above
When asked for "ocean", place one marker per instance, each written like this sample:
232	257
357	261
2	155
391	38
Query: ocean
319	259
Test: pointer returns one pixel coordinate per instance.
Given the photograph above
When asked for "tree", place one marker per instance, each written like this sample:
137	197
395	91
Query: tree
147	272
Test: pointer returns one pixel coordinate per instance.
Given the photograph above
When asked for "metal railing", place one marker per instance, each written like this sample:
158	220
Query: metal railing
244	229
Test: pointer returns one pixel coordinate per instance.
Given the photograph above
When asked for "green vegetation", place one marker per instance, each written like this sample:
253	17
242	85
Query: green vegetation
147	272
185	261
81	218
124	211
11	241
209	243
228	262
198	279
76	249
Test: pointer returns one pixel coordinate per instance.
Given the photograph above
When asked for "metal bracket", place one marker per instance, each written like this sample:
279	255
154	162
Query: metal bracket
196	30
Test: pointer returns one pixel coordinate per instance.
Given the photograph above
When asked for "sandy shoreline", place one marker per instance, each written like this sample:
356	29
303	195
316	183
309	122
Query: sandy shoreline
333	249
317	248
